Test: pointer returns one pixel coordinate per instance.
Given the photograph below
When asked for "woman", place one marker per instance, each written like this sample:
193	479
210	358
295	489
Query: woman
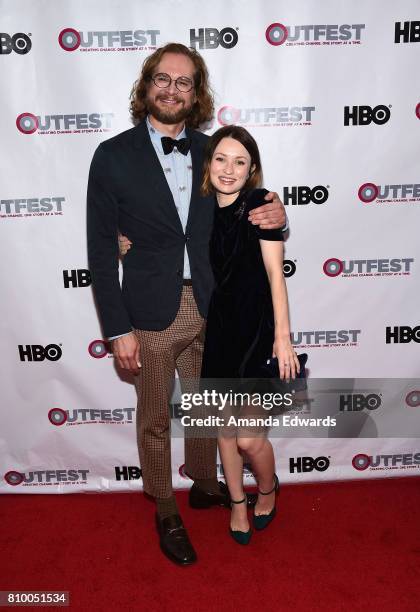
248	319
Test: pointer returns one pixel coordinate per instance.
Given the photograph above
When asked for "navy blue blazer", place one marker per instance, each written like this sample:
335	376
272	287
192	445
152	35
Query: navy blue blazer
127	190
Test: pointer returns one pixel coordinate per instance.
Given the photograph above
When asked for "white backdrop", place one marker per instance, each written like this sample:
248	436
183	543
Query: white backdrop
288	73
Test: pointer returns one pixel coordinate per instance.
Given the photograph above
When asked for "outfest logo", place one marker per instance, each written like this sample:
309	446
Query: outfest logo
278	34
368	267
31	207
89	416
400	461
49	477
70	39
283	116
389	194
79	123
326	338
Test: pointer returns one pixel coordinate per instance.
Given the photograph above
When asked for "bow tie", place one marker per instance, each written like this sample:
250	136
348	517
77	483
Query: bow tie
168	144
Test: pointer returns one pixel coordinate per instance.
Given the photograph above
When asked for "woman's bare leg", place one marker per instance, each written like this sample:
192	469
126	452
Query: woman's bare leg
261	456
233	470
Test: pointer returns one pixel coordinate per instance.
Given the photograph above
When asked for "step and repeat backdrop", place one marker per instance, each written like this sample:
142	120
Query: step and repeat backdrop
330	90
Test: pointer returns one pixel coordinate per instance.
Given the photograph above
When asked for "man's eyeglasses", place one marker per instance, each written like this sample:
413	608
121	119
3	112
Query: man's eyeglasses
182	83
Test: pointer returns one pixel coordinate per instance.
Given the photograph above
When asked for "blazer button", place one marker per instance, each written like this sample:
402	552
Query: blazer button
179	272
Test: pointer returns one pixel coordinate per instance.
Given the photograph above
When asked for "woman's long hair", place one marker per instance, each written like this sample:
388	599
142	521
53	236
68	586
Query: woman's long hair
203	107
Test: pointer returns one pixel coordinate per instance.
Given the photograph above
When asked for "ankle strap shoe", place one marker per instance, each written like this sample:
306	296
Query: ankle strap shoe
261	521
241	537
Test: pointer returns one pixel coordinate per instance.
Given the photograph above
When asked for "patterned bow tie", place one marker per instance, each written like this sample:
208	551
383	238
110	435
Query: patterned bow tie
168	144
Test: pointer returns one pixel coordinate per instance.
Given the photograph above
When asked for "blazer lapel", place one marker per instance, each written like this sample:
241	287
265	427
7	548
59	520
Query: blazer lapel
197	174
148	157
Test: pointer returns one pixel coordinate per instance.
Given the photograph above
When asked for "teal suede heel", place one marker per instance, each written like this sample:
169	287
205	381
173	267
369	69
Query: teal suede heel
261	521
241	537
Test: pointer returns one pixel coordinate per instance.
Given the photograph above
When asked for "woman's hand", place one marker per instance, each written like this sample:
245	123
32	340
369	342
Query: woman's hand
124	244
287	358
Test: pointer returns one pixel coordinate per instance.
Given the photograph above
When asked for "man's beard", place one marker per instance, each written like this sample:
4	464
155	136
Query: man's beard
168	117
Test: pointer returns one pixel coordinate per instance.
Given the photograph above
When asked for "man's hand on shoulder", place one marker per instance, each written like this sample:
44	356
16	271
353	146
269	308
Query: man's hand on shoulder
271	215
126	351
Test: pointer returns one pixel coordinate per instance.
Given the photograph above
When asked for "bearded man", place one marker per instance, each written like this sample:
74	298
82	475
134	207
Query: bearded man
146	183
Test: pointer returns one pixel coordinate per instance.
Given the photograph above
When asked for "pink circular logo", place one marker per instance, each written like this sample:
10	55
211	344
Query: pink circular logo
97	349
333	267
228	115
368	192
27	123
14	478
361	462
57	416
276	34
69	39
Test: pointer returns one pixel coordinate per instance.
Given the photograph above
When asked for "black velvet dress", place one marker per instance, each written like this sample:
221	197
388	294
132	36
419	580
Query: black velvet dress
240	322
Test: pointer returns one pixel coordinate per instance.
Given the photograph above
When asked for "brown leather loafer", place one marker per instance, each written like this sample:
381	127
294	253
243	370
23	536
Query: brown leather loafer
174	540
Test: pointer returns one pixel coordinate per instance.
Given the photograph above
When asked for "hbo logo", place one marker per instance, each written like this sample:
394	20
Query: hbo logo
308	464
407	31
19	43
289	268
36	352
305	195
364	115
402	334
358	401
76	278
210	38
130	472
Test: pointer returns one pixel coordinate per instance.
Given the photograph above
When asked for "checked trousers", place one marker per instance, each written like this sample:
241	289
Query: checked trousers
179	346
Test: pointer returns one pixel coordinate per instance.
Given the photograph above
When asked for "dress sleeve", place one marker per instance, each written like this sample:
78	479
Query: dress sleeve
256	199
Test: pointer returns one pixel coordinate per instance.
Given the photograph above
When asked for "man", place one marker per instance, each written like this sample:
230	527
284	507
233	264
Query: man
146	182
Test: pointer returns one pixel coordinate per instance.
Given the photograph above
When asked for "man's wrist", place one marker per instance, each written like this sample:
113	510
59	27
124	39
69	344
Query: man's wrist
119	336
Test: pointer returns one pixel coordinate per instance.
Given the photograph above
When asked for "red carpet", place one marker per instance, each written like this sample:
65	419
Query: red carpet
345	546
